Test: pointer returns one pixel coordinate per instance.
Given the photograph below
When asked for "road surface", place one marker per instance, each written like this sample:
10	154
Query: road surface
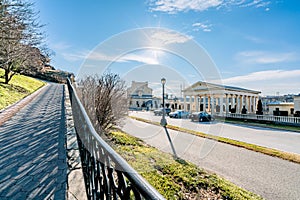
287	141
270	177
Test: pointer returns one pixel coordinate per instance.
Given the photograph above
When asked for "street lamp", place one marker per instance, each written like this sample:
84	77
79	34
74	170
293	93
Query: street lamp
163	121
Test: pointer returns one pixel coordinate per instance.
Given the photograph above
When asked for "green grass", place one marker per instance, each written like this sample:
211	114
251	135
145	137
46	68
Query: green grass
265	150
174	179
19	87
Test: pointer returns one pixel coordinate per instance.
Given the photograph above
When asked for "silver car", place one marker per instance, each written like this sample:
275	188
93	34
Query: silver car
179	114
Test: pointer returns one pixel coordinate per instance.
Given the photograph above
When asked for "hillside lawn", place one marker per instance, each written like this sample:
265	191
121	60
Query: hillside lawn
19	87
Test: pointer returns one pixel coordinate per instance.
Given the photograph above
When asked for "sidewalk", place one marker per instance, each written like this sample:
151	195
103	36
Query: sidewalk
32	145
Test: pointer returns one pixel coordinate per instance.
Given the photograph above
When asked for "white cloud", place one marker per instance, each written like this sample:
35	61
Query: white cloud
175	6
202	26
268	82
264	75
265	57
168	37
146	57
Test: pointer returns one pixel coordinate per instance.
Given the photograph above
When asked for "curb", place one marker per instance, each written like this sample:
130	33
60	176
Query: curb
75	183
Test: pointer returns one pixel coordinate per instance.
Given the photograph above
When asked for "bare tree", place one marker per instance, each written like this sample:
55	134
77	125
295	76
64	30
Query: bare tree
19	33
104	99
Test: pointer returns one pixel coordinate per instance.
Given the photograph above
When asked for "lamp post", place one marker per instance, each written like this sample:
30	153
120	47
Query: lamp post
163	121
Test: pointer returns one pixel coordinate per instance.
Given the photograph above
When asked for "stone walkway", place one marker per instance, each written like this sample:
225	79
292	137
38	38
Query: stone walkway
33	149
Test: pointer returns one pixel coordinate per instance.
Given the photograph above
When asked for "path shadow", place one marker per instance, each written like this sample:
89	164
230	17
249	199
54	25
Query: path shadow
33	155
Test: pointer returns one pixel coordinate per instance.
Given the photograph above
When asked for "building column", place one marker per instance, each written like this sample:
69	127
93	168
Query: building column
238	104
190	104
197	103
251	104
255	104
242	102
184	103
216	99
232	101
208	103
245	101
248	104
212	105
221	104
227	104
204	103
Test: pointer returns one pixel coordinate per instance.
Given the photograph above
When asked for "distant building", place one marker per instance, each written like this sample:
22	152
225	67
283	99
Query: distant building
140	96
297	103
288	107
290	103
215	98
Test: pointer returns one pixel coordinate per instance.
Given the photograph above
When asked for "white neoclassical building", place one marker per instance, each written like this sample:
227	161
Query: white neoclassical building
215	98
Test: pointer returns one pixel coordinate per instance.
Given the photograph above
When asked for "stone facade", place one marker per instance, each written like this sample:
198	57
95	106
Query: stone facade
140	96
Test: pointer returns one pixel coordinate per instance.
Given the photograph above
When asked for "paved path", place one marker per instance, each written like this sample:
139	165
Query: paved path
287	141
32	145
270	177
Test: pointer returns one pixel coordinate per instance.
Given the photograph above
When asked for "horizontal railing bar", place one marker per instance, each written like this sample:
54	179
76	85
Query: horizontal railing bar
284	119
139	182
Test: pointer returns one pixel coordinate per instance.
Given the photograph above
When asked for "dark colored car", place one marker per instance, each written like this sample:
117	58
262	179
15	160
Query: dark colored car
201	117
159	112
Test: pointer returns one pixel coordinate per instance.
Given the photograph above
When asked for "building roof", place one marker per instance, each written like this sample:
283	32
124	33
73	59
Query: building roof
200	85
277	103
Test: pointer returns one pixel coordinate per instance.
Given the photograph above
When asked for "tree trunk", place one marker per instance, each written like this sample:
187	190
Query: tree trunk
6	76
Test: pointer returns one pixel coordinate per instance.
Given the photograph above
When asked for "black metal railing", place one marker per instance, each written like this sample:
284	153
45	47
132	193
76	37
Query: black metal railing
107	175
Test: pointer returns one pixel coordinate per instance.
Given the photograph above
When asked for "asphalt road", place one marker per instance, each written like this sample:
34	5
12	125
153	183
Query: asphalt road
287	141
32	145
270	177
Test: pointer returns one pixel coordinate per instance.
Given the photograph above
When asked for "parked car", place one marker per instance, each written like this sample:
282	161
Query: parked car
201	117
159	112
179	114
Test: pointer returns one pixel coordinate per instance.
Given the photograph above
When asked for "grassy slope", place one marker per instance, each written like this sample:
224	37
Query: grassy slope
174	179
19	87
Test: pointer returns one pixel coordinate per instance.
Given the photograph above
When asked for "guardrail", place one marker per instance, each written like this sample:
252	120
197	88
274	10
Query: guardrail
107	175
267	118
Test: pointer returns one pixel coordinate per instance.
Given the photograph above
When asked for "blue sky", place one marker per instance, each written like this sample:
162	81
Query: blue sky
253	43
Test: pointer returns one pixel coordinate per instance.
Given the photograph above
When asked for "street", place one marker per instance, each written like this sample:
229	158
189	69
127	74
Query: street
270	177
287	141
